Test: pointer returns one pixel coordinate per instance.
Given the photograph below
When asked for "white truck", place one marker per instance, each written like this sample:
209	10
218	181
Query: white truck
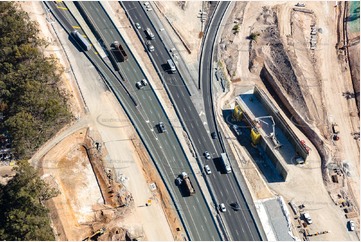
226	164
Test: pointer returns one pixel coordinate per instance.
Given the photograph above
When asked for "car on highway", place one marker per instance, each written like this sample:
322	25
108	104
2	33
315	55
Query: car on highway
139	85
178	181
214	135
144	82
150	46
207	169
222	208
146	4
235	206
207	155
138	26
149	8
351	225
161	127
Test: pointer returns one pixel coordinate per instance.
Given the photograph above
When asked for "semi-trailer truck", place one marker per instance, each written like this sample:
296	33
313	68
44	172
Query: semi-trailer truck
81	40
188	183
119	52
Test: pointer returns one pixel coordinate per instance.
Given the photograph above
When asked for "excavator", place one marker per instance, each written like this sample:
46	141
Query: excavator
273	134
96	234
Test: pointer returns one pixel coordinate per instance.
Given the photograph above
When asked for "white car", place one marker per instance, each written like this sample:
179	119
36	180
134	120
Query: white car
207	169
144	82
138	26
222	207
307	218
351	225
207	155
139	85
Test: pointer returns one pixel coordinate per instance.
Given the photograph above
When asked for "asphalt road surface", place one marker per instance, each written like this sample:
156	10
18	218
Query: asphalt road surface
240	224
163	147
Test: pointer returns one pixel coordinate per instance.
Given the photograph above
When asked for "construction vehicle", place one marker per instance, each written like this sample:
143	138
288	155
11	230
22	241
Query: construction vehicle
119	52
81	40
335	131
307	217
188	183
95	235
273	134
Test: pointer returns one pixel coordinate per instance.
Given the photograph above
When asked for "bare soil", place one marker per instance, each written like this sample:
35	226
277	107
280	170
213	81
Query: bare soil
306	80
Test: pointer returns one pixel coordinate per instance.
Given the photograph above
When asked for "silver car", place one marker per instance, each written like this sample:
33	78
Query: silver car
207	155
222	207
207	169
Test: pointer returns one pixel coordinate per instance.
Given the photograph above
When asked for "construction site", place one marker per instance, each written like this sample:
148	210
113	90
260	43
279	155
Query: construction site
286	99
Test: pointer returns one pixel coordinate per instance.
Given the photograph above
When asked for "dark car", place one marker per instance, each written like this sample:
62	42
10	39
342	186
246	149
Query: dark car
235	206
161	127
178	181
214	135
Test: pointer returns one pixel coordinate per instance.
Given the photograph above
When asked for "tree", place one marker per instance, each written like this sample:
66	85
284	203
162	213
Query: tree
23	217
33	107
254	35
236	29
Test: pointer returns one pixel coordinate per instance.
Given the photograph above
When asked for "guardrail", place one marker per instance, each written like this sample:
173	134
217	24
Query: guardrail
181	121
134	124
243	188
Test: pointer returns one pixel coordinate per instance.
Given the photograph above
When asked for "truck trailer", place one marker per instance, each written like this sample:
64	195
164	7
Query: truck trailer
119	52
81	40
225	162
188	183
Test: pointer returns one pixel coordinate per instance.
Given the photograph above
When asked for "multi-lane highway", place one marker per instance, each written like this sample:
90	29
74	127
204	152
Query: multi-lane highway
164	148
240	224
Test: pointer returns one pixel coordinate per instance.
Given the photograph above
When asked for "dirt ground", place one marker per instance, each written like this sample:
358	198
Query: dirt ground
320	75
76	211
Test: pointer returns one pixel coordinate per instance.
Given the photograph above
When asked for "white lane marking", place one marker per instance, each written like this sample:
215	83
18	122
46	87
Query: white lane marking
111	32
184	109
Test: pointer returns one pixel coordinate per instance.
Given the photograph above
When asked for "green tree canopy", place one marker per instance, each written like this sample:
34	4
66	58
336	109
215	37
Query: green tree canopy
23	217
33	107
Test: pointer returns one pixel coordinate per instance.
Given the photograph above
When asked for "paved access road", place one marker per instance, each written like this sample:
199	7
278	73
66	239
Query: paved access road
240	224
164	148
